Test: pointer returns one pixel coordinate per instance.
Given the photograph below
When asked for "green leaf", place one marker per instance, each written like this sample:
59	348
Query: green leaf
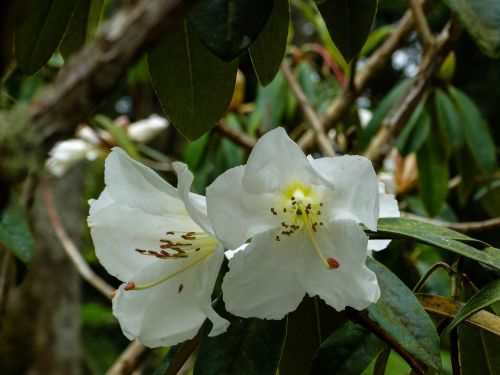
268	50
119	135
485	297
348	351
448	120
15	233
477	135
166	361
380	112
416	131
399	313
39	32
349	22
194	87
228	27
432	161
249	346
434	235
478	351
82	26
375	38
466	168
489	196
482	21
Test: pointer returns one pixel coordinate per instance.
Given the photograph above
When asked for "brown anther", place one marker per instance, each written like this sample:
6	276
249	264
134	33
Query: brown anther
113	294
274	211
277	238
197	249
129	286
284	209
292	198
294	203
319	212
164	253
152	252
333	263
142	251
309	205
170	232
321	204
320	223
181	286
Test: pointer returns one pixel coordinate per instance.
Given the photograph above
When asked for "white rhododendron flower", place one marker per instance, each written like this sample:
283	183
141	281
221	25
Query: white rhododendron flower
388	208
146	129
302	215
66	154
158	241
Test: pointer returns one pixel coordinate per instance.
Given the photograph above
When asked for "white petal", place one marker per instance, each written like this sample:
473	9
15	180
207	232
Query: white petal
103	201
352	284
131	183
388	208
274	163
235	214
230	253
117	230
262	280
355	188
195	204
146	129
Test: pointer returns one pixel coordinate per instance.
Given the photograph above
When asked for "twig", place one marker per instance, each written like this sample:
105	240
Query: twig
69	247
423	30
323	142
130	358
376	63
362	318
472	226
5	279
234	135
393	123
456	288
429	273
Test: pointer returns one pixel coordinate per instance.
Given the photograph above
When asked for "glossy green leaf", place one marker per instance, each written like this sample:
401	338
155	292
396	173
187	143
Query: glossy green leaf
82	26
478	351
467	169
482	21
485	297
477	135
268	50
375	38
448	120
166	361
194	87
433	172
15	234
39	32
437	236
399	313
249	346
348	351
415	131
349	23
228	27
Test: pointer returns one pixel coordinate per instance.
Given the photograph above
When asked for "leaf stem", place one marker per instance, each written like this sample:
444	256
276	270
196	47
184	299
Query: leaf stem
429	273
456	288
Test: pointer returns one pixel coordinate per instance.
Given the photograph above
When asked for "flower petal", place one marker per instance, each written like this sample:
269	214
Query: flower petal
355	188
274	162
388	208
237	215
117	230
131	183
262	281
195	204
352	284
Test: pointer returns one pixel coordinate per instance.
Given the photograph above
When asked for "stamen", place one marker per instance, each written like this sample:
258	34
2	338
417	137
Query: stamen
181	286
277	238
333	263
129	286
274	211
312	237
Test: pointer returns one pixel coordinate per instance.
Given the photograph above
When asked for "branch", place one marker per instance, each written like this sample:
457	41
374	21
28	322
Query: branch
471	226
130	358
241	139
393	123
69	247
377	62
323	142
423	30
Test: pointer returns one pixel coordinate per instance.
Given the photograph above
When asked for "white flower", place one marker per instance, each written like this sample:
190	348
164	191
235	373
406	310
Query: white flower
66	154
302	215
388	208
146	129
158	241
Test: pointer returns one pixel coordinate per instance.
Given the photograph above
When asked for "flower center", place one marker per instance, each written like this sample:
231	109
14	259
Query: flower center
302	210
178	245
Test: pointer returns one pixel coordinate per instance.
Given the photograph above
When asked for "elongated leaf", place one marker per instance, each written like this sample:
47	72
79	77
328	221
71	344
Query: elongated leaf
400	314
166	361
228	27
82	26
433	173
485	297
15	233
348	351
268	50
448	120
434	235
415	131
446	307
40	31
193	86
250	346
467	169
477	135
478	351
349	23
482	21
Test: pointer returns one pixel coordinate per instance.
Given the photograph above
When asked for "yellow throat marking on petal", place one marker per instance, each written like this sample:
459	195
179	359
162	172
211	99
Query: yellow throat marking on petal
301	208
178	245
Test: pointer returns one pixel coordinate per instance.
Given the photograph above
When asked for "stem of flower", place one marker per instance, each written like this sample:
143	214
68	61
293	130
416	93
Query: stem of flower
310	234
